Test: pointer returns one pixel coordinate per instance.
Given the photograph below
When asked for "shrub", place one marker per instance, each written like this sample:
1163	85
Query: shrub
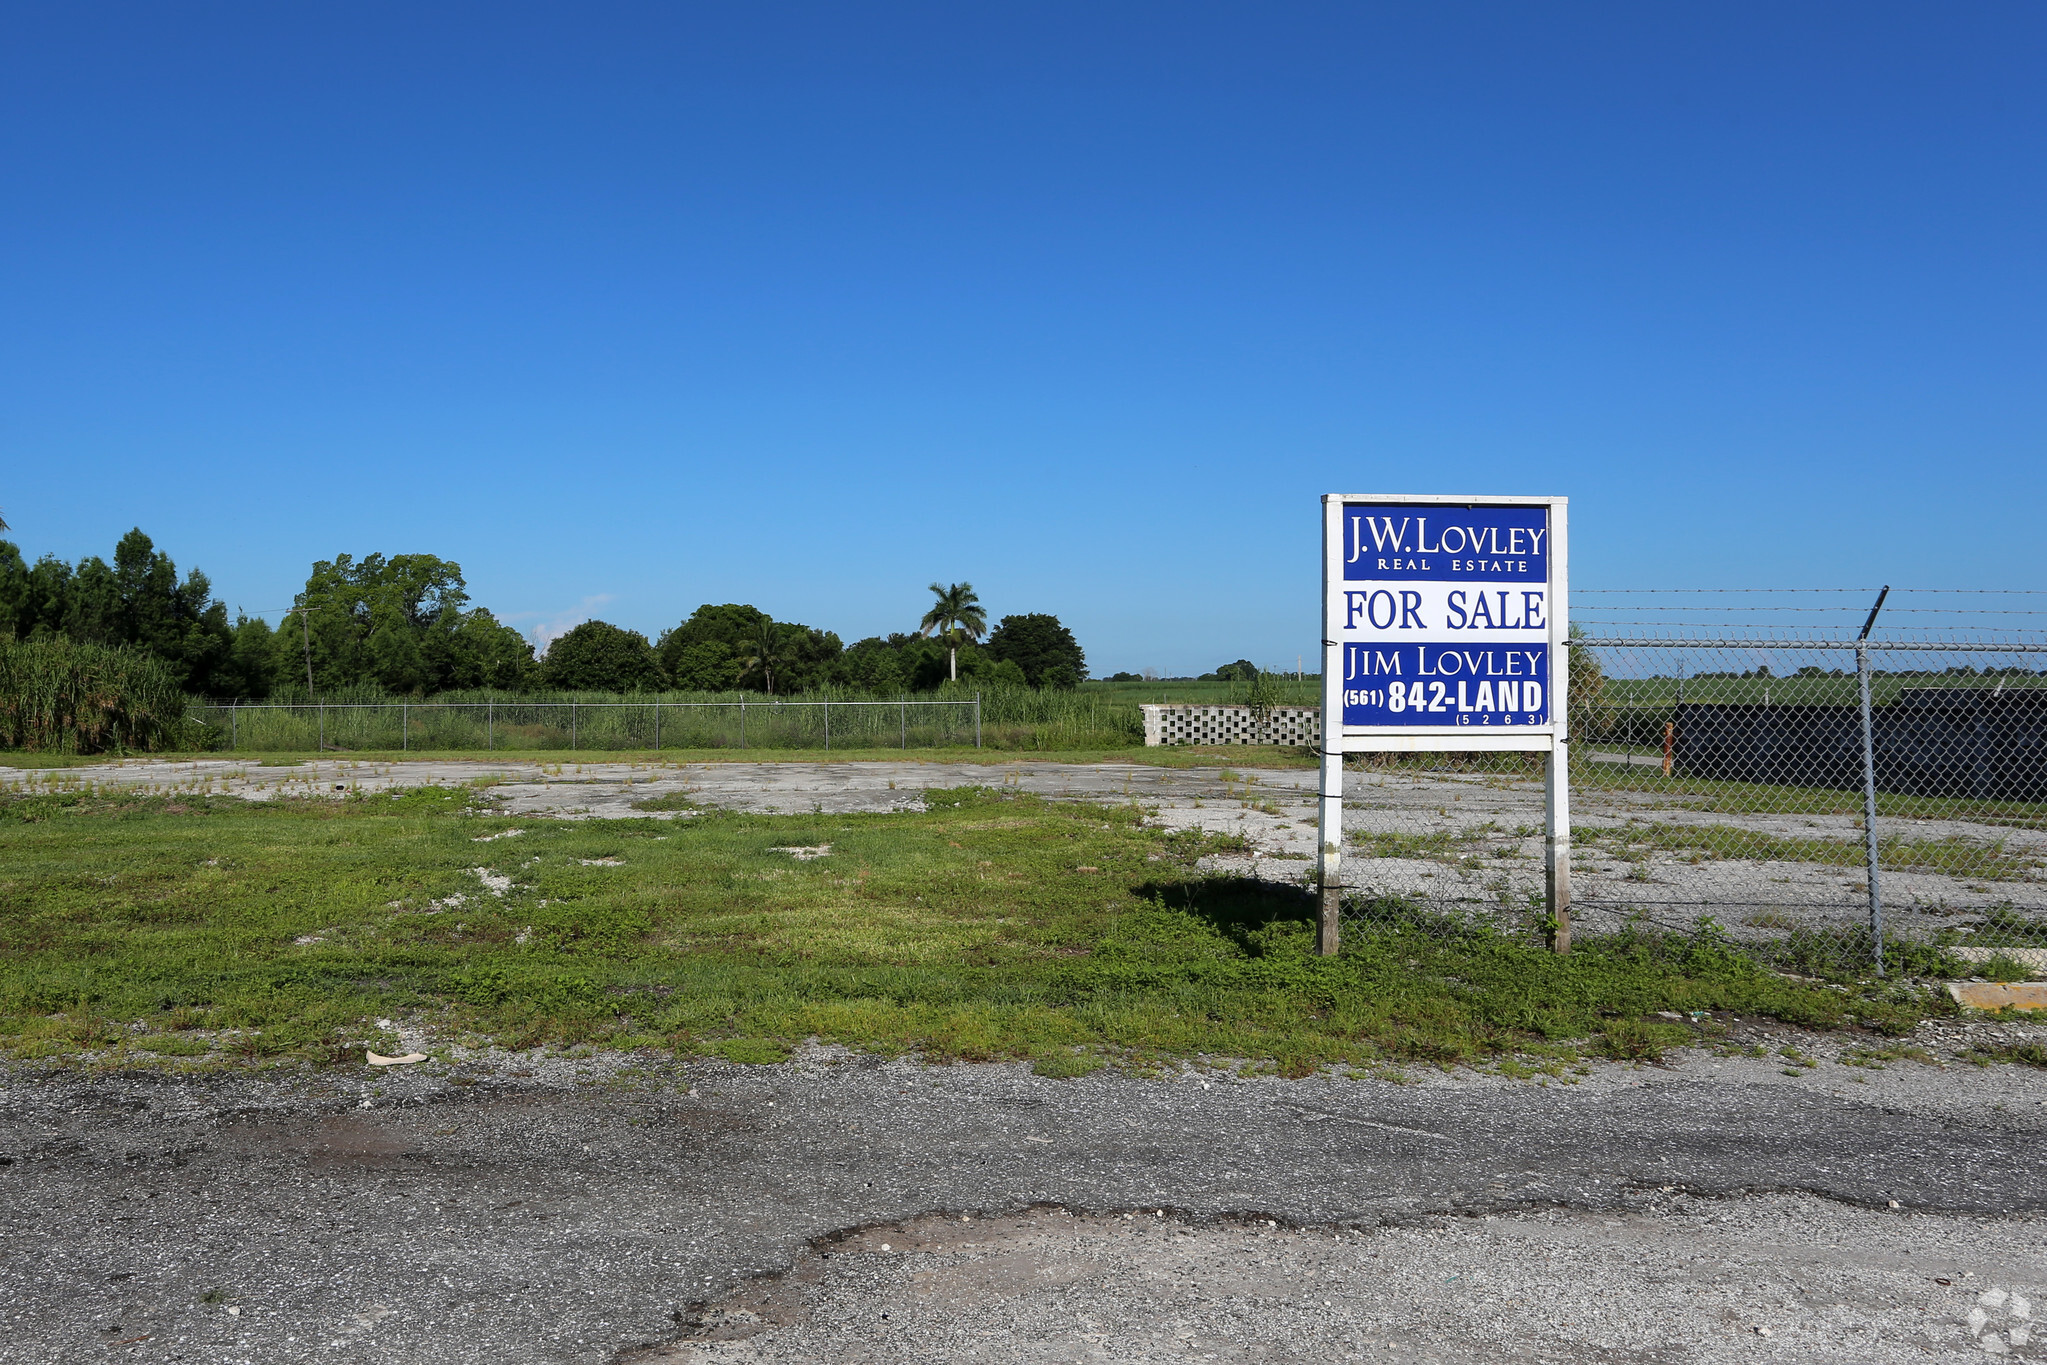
598	656
1041	647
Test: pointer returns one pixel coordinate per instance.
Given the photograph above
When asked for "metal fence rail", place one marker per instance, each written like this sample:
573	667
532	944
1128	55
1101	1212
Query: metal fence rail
1829	804
512	725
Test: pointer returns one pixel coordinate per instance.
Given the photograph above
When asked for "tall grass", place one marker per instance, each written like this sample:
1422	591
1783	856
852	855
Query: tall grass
1011	718
61	697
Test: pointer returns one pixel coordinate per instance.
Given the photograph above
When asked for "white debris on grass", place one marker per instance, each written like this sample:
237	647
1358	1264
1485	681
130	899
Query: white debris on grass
803	853
501	834
602	862
494	882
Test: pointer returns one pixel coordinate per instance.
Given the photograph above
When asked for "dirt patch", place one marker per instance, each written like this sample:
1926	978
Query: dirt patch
1771	1278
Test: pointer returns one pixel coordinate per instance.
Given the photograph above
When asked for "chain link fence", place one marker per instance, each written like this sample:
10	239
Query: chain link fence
398	726
1830	803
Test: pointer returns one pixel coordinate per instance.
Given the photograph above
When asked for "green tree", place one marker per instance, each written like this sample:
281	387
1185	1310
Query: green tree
138	602
977	666
761	655
253	657
707	666
488	653
1587	713
875	664
809	656
703	653
399	624
17	615
738	645
955	617
600	657
731	624
1043	648
49	585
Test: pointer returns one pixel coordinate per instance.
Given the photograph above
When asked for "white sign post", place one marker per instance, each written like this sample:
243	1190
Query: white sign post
1445	627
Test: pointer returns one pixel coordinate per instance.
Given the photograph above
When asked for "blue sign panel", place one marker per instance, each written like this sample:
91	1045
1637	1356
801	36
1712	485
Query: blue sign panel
1414	684
1446	544
1443	615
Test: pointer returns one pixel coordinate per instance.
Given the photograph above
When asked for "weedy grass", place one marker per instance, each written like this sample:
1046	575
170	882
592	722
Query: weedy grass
1955	856
2022	1054
185	930
1754	798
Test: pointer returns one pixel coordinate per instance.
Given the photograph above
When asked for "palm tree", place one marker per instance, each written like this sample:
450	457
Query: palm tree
766	651
955	616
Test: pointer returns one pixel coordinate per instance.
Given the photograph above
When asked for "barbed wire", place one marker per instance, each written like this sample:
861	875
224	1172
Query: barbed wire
1980	592
1888	611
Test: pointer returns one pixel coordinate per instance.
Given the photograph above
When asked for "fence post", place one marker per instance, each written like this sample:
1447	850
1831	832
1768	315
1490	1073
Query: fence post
572	727
977	720
405	726
827	726
1329	754
234	726
323	727
490	724
657	727
1876	900
742	720
906	722
1556	868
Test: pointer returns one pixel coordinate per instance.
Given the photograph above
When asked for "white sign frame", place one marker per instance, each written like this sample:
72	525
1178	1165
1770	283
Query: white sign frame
1550	737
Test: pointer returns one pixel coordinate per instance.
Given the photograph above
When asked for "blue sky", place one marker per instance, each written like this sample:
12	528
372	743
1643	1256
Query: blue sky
631	307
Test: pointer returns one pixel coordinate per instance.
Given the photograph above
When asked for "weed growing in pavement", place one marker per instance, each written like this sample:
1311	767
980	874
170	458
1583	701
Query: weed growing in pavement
2025	1054
1066	1064
1955	856
201	929
1874	1057
1824	953
1636	1040
2005	921
2003	967
666	801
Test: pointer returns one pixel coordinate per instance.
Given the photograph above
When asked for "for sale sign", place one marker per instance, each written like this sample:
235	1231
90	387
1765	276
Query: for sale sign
1445	614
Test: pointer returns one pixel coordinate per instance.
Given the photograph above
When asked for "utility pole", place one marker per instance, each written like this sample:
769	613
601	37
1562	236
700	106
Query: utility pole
306	632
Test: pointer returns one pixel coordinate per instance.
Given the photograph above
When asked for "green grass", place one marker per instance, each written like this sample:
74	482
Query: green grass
1285	691
1792	690
995	925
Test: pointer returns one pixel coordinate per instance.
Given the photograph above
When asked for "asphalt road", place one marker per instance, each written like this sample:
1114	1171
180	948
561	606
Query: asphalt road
594	1210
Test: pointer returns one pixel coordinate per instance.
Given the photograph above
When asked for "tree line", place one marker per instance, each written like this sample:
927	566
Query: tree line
405	625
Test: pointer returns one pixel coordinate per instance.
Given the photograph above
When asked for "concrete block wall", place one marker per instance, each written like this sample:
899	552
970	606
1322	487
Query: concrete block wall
1231	725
